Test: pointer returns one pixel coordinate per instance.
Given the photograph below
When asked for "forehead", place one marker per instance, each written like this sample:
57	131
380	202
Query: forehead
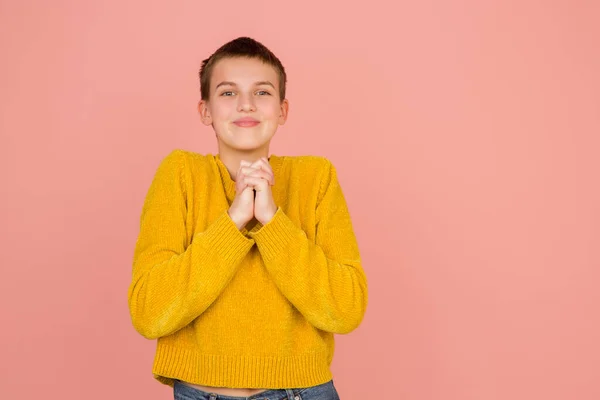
243	71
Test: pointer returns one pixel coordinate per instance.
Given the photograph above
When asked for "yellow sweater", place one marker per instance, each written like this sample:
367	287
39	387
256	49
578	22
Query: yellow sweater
245	308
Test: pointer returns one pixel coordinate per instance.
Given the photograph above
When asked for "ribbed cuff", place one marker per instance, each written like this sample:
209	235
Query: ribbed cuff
275	236
224	237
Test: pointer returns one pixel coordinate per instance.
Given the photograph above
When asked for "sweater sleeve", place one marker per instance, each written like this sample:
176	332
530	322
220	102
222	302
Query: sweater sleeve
171	284
323	279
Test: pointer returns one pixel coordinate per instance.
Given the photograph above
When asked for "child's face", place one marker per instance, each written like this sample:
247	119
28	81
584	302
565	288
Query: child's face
239	88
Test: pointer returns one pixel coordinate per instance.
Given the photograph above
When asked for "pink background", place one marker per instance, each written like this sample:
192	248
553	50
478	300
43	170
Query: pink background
465	134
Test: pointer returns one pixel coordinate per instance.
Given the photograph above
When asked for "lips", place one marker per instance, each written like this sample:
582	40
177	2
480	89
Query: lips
246	122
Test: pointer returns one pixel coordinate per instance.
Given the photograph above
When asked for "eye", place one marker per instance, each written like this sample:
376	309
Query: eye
264	91
225	93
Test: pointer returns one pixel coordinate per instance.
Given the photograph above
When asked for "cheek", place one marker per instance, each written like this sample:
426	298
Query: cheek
271	110
222	111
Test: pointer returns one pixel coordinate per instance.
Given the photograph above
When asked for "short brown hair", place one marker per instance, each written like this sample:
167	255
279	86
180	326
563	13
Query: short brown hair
244	47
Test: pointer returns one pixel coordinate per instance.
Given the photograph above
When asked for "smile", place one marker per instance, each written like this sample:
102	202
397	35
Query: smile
246	124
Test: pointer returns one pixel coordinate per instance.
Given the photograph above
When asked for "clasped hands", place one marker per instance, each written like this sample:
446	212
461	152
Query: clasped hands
253	196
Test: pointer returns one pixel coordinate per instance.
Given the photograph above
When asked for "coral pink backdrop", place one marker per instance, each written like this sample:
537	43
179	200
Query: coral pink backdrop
466	138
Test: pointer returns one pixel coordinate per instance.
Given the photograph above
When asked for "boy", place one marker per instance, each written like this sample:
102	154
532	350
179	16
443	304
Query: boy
246	264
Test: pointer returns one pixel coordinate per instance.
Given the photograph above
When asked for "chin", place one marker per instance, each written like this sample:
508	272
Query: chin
245	143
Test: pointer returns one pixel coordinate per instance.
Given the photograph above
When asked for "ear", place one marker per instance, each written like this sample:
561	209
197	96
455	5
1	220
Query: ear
204	112
283	111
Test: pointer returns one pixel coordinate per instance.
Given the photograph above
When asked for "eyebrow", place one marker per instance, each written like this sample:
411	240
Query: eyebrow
225	83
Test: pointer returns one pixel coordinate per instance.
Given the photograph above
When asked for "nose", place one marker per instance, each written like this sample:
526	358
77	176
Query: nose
246	103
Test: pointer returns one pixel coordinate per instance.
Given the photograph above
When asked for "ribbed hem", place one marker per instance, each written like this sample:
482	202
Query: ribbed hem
243	371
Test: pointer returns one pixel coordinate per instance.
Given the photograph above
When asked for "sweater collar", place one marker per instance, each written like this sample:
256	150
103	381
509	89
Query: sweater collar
229	184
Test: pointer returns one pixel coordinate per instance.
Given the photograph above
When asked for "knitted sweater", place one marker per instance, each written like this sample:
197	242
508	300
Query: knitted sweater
245	308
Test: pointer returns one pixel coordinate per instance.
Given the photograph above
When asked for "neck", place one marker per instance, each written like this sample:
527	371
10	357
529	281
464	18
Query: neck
233	158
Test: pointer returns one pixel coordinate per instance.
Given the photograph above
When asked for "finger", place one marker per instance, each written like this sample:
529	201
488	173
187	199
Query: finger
262	162
243	164
240	186
265	166
257	184
247	171
255	180
257	172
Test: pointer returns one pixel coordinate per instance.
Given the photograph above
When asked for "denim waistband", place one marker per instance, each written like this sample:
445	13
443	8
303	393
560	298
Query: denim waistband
191	393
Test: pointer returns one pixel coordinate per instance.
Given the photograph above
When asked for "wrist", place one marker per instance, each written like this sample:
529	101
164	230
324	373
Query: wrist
239	222
269	217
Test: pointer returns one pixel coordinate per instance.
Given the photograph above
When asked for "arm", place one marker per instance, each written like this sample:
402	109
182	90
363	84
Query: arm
323	280
172	285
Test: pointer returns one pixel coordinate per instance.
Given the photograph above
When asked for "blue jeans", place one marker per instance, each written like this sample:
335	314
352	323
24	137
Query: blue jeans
325	391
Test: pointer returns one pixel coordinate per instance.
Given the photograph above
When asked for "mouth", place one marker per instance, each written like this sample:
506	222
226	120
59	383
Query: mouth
246	122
